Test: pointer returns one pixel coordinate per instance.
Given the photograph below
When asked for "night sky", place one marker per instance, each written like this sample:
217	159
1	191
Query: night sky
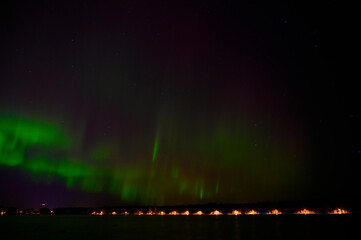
169	102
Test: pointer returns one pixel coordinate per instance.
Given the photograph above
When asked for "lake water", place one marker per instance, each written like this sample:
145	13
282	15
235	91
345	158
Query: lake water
180	227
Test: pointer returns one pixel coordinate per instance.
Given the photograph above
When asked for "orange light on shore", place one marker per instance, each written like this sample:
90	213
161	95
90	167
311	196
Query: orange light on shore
252	212
339	211
138	213
2	213
198	213
216	212
97	213
305	212
235	212
274	212
185	213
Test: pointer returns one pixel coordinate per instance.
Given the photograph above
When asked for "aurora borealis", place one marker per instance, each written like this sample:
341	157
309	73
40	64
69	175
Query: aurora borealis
127	102
195	169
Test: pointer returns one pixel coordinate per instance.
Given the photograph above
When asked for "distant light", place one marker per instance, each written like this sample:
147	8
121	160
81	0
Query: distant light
216	212
339	211
235	212
252	212
274	212
305	212
186	213
198	213
98	213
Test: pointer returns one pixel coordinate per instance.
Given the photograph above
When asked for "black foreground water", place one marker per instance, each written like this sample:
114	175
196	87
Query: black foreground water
180	227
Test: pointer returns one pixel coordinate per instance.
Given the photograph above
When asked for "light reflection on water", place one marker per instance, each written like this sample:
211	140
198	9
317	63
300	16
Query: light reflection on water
178	227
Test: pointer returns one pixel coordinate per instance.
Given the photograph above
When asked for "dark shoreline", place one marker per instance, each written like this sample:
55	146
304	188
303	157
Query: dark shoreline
263	208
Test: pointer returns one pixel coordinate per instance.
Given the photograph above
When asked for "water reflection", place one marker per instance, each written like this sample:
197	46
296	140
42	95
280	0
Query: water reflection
181	227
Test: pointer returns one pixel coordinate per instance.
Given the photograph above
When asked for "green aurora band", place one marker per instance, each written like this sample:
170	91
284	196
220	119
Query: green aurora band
210	167
155	148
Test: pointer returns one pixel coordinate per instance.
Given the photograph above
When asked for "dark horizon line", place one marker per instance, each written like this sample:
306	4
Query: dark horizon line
317	204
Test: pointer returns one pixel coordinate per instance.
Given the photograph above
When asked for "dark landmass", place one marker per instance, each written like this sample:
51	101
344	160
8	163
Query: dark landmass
320	207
